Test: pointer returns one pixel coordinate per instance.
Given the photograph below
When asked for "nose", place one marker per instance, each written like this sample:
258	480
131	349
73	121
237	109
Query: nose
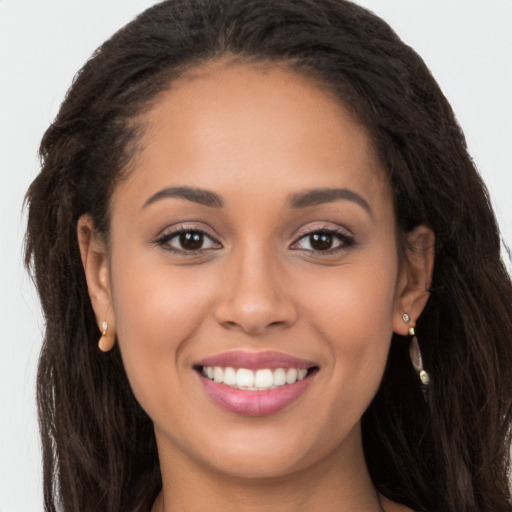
255	295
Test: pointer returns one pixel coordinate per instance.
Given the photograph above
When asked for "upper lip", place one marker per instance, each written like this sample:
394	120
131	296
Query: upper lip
255	360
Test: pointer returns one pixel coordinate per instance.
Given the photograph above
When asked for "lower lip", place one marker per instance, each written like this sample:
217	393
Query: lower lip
255	403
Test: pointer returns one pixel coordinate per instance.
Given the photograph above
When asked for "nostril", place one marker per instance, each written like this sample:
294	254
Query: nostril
275	324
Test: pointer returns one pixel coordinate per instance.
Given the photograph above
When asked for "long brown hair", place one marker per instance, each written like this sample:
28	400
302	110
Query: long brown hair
450	453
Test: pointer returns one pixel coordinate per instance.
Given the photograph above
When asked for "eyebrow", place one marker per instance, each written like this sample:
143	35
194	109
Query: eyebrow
196	195
328	195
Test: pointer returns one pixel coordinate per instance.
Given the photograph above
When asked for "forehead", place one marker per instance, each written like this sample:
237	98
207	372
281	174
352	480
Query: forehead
224	125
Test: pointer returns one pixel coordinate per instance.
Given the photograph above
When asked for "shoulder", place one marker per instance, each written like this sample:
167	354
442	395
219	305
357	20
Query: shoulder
392	506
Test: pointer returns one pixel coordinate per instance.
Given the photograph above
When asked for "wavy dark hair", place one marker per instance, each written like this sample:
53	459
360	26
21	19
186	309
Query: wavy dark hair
450	454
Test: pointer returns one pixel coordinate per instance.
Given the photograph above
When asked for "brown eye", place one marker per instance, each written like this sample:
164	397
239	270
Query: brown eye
324	241
188	241
191	241
321	241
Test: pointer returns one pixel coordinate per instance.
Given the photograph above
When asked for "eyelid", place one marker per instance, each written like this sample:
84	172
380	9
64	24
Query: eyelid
172	232
347	239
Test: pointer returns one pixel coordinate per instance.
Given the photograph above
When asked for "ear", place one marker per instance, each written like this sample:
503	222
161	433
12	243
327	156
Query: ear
95	262
415	277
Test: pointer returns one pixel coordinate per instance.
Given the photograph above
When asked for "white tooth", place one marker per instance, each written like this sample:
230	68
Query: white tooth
279	377
229	376
218	374
264	379
291	375
301	373
209	372
244	378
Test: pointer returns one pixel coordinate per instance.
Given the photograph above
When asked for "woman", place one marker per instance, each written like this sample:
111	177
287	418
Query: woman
262	210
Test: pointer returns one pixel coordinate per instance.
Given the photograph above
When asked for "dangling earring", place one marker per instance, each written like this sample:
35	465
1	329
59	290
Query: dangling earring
415	355
106	341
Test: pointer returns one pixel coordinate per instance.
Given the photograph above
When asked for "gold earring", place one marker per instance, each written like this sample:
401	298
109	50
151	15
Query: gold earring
417	361
412	325
107	340
415	353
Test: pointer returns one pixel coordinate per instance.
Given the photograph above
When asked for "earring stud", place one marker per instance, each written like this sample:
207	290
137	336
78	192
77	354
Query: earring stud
107	340
412	325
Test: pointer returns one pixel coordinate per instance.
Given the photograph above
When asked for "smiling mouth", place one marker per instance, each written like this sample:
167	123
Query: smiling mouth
263	379
255	383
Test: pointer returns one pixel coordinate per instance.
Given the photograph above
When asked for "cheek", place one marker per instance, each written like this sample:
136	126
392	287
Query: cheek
150	301
156	311
355	299
352	312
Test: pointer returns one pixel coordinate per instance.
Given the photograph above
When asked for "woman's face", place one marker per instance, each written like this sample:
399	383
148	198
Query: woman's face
256	232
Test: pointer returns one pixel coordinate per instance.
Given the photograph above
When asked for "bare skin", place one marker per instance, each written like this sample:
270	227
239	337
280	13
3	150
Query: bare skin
270	268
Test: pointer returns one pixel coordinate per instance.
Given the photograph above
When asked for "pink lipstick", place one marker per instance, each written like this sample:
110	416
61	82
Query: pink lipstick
255	384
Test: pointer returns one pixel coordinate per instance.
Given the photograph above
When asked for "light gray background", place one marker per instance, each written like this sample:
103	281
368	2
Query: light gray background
466	43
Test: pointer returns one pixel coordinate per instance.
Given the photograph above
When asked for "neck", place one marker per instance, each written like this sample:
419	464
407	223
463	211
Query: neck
337	482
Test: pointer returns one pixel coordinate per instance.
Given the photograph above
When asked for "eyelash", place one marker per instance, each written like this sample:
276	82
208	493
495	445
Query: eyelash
163	240
346	241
